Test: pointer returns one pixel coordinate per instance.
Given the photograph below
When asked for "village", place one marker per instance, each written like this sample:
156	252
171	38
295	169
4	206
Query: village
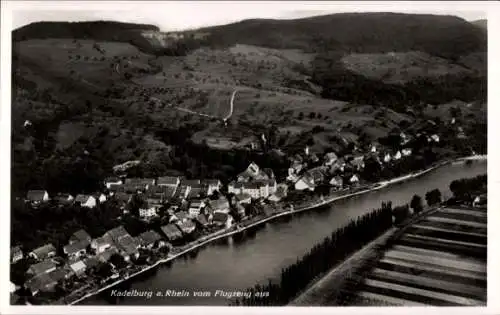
188	209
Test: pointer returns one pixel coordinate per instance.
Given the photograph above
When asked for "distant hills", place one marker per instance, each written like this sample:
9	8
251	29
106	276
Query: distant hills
481	23
358	33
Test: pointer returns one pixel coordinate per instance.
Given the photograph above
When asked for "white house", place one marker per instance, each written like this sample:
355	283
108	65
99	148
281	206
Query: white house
101	244
305	182
337	181
397	156
148	212
435	138
213	185
373	148
110	181
101	197
234	188
330	158
387	158
406	151
354	179
195	208
86	201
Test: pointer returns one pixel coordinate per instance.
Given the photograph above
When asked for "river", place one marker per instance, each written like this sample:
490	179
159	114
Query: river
258	254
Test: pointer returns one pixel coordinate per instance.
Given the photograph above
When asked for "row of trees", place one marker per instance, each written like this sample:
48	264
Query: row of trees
336	248
467	188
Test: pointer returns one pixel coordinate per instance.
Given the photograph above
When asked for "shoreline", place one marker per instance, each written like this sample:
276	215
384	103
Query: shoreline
231	231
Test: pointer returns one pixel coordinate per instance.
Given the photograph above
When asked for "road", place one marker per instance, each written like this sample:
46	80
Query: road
231	106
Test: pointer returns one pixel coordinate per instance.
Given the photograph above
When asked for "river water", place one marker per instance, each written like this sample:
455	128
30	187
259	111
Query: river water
259	254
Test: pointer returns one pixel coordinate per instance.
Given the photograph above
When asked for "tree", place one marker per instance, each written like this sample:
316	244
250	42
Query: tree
433	197
301	116
416	203
312	115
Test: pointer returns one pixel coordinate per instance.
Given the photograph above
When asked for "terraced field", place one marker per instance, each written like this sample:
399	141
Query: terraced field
440	260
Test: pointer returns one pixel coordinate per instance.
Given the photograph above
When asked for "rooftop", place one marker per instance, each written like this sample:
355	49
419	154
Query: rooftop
149	237
36	195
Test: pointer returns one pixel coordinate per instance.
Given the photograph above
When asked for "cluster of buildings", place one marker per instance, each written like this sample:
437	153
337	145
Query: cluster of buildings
81	255
343	171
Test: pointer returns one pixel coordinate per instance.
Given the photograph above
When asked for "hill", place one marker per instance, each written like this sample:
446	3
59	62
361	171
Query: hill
358	33
483	24
100	96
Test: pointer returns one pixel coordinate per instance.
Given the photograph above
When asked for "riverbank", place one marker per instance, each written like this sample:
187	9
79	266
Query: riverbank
258	221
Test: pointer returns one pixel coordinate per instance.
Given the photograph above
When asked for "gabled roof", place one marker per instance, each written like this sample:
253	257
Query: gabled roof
83	198
117	233
221	203
42	267
106	255
36	195
171	231
220	217
167	180
40	282
242	196
212	182
112	179
76	247
77	265
91	262
60	274
15	250
186	226
80	235
62	197
42	251
128	244
122	196
202	219
140	181
149	237
181	215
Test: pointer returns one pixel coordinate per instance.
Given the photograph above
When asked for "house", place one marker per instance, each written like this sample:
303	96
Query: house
106	254
45	266
337	182
183	191
397	155
197	191
101	197
148	211
80	235
358	162
12	287
242	199
77	266
213	185
219	205
61	274
330	158
187	226
86	201
112	181
140	183
16	254
63	199
122	198
128	247
317	175
222	219
76	250
373	148
172	232
101	244
195	208
435	138
235	187
354	179
406	151
295	168
37	196
253	171
117	233
40	283
480	201
169	181
276	197
150	239
201	219
181	216
43	252
305	182
387	158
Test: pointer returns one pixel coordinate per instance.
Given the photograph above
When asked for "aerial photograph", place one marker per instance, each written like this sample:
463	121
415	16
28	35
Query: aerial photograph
272	157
